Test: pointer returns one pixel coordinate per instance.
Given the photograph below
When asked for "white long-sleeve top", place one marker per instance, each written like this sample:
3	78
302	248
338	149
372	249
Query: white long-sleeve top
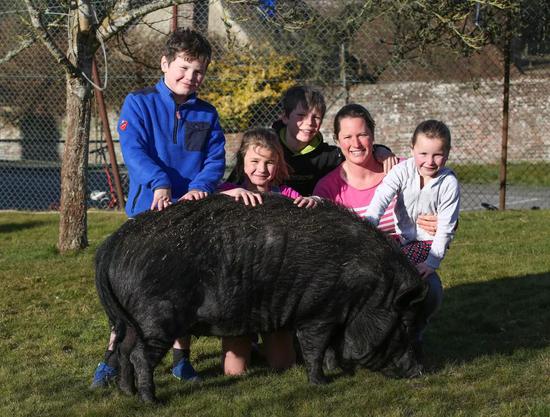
440	196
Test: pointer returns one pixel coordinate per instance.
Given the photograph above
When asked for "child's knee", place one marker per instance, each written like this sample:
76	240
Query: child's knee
280	350
236	354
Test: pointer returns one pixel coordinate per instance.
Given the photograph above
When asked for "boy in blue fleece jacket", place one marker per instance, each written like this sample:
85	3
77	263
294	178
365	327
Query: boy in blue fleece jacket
171	140
173	147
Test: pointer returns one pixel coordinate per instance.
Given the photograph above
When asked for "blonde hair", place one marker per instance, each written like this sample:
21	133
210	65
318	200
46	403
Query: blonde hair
261	138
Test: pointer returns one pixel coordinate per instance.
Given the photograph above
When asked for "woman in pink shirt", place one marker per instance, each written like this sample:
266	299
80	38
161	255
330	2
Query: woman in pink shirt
354	182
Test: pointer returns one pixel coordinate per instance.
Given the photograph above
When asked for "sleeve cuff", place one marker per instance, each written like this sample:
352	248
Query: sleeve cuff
433	262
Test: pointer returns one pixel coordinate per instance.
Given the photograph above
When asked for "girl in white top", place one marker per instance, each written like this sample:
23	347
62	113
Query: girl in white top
422	185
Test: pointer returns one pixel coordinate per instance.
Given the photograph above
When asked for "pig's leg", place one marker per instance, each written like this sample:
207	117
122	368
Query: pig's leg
314	340
330	361
145	356
144	372
126	378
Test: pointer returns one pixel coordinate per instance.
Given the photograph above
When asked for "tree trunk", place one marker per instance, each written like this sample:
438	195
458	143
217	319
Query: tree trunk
74	167
73	215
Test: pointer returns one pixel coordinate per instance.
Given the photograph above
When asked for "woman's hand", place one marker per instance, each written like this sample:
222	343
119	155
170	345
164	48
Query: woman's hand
248	197
307	202
428	223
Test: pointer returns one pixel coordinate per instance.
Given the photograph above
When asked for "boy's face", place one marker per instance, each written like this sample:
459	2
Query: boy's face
429	155
184	75
302	124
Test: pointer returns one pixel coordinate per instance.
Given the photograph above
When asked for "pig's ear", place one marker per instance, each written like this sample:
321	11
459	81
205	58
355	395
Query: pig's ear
409	296
366	331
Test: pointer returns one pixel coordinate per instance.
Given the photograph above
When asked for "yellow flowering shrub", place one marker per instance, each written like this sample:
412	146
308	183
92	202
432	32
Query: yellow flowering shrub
245	84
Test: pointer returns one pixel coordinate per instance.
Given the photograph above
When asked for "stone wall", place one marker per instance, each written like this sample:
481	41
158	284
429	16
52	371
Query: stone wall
473	111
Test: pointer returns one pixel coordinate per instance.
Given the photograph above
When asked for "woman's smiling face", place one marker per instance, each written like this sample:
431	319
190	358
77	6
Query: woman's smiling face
355	140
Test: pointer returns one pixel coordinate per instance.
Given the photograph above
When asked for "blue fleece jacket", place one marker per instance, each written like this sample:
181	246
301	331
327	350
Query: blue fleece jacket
169	146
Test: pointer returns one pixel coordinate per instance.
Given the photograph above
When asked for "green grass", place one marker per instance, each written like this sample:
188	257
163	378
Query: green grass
523	173
489	346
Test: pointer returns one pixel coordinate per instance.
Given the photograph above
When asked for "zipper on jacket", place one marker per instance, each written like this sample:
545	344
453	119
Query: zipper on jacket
134	201
176	122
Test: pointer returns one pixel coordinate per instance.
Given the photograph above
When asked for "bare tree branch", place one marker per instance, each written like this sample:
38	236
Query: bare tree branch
46	38
20	48
26	42
112	25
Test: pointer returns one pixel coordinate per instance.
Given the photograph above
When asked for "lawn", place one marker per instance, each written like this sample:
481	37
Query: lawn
488	348
519	173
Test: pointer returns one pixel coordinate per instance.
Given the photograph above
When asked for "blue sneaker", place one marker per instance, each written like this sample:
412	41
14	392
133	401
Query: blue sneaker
104	376
184	371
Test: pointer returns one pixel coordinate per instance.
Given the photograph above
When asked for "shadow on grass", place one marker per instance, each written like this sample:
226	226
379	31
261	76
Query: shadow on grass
494	317
17	227
170	391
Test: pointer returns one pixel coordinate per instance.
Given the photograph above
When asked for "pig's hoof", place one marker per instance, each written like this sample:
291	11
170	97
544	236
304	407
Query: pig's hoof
318	380
148	398
127	389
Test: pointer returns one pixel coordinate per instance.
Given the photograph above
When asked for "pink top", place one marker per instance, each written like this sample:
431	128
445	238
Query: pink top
281	189
333	187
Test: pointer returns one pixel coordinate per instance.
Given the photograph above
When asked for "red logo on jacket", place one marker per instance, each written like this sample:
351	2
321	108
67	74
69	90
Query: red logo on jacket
123	125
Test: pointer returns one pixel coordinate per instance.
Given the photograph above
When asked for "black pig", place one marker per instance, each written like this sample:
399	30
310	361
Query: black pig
218	267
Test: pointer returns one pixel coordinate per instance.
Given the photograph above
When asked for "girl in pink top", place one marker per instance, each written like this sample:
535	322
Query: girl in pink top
261	167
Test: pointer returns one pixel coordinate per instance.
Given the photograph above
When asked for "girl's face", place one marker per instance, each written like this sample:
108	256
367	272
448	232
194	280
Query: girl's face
429	155
355	140
260	168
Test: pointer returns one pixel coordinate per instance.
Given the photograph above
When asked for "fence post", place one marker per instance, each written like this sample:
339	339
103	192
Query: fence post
505	114
174	21
108	138
343	79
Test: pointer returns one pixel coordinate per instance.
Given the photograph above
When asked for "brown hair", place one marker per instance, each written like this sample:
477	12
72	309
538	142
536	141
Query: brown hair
434	129
189	42
354	111
261	138
309	98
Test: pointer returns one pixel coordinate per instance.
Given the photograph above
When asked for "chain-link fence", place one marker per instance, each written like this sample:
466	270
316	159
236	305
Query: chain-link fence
383	59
